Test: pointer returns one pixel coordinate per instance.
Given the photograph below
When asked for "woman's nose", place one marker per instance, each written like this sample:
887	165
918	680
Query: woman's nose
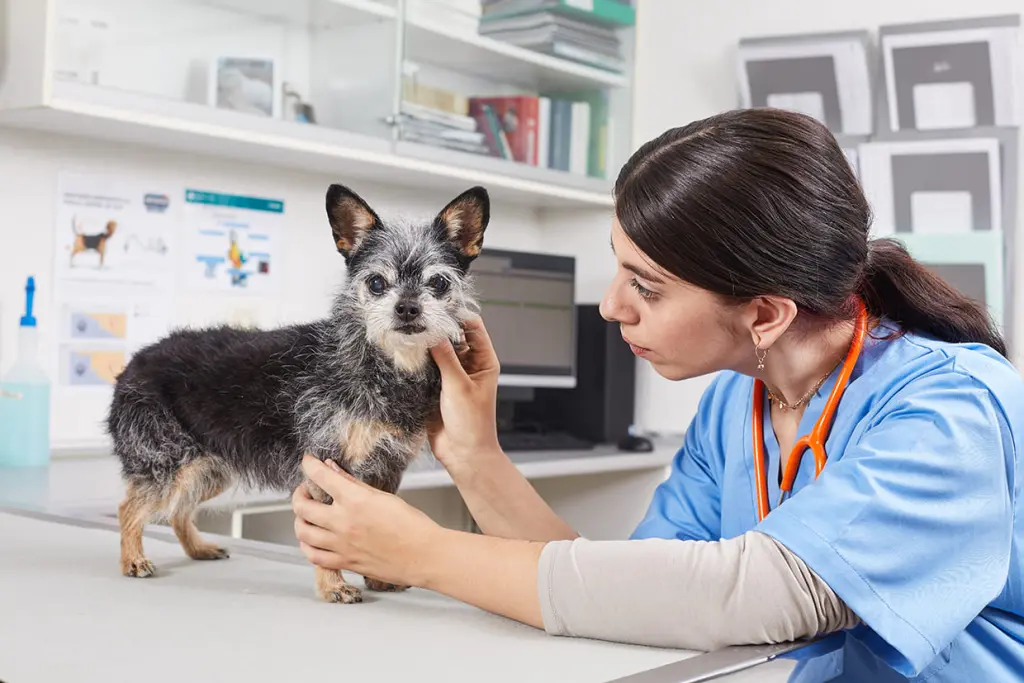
612	307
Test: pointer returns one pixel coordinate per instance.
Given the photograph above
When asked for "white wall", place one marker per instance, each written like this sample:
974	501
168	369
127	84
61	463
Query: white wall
685	71
29	164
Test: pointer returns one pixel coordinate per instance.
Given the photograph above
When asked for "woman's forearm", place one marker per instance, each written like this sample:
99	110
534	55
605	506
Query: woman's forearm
504	503
498	575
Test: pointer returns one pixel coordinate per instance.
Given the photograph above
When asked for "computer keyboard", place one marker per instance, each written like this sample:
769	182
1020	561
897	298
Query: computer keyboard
541	441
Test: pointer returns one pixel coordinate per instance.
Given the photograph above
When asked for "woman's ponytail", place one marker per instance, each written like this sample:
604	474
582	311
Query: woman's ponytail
898	287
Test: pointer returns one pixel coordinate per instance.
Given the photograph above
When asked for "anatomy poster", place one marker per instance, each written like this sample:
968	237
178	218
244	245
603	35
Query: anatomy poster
113	235
233	242
115	270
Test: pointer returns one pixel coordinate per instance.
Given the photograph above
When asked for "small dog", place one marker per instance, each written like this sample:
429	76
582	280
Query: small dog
201	409
96	242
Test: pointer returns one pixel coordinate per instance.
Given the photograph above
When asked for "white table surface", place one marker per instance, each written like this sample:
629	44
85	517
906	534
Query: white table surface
91	480
66	614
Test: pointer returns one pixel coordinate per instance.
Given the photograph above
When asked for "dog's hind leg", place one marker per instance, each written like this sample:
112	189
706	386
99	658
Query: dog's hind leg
198	481
141	504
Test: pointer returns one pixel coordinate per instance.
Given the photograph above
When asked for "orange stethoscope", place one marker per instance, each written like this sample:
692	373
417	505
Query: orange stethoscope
815	440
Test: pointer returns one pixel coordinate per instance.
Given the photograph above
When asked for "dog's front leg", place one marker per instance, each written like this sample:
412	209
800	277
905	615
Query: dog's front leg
330	583
383	470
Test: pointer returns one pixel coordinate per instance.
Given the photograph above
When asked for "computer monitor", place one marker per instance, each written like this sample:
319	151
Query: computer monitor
527	303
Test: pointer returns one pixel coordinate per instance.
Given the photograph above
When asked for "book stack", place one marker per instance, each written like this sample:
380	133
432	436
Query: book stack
438	117
583	32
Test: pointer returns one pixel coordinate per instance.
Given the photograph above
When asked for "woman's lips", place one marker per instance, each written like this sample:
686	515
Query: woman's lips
637	350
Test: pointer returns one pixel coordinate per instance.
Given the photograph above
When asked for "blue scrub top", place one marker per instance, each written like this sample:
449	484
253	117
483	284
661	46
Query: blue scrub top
915	522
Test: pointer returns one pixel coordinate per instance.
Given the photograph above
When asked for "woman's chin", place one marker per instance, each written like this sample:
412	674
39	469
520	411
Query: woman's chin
673	372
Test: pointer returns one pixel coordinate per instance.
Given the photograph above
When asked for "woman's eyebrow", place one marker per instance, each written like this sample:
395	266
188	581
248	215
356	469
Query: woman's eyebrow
637	270
643	274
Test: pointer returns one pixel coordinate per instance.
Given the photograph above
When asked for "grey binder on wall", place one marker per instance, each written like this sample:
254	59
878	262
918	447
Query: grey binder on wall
953	202
826	75
948	75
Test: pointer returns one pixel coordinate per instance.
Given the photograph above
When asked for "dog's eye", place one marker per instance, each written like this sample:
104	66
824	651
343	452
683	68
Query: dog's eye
439	284
377	284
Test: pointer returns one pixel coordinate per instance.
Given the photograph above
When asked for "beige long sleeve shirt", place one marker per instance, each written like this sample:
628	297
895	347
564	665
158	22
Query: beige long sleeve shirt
699	595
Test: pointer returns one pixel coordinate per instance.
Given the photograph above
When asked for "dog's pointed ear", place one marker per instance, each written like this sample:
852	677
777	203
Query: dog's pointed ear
464	221
351	218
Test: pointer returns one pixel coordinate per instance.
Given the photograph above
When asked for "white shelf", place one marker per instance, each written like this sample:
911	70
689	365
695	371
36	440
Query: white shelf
115	116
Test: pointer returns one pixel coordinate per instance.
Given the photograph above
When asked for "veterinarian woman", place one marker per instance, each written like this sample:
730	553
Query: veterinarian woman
742	248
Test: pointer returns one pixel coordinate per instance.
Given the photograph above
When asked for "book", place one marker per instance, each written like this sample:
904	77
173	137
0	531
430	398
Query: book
515	121
599	11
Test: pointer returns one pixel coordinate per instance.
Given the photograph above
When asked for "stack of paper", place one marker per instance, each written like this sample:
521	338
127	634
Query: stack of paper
441	129
545	26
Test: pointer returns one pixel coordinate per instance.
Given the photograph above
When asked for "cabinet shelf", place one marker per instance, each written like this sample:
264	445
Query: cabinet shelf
131	118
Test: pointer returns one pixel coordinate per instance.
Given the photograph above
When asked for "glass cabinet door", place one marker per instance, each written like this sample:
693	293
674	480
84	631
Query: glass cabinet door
541	86
320	62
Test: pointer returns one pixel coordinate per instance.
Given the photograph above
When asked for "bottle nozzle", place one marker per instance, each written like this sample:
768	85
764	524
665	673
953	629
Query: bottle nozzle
29	320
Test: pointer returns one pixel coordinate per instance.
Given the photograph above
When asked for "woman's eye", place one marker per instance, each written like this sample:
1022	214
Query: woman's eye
377	284
641	290
439	284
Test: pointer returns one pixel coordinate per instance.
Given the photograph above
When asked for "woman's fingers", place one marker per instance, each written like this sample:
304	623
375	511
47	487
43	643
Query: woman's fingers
310	510
313	535
480	357
338	484
448	363
321	558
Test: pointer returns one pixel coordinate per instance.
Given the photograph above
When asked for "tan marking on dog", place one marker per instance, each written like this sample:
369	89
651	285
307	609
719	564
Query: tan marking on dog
137	508
361	436
195	483
331	587
355	217
457	217
383	586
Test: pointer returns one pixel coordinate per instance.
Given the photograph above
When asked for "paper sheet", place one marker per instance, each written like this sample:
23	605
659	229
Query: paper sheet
233	242
115	266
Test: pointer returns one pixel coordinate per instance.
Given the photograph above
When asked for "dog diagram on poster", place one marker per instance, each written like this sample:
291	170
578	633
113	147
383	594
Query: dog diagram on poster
112	232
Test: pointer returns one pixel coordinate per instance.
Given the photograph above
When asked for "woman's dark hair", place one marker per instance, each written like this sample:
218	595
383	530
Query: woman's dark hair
756	202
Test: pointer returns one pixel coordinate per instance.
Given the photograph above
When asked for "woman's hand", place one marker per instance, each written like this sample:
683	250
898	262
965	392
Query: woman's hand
364	530
469	390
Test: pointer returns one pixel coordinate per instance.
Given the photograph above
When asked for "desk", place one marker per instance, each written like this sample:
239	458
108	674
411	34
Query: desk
601	492
66	614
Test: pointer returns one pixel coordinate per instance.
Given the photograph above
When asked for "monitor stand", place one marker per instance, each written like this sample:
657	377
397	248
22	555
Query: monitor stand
522	427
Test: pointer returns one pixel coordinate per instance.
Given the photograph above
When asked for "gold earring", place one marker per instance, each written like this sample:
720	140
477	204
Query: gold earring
761	355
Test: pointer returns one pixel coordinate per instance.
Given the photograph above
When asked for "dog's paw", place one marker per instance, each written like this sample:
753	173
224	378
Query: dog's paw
140	568
383	586
345	594
209	552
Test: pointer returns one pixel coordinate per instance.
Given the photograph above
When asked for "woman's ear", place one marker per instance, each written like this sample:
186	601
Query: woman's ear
768	317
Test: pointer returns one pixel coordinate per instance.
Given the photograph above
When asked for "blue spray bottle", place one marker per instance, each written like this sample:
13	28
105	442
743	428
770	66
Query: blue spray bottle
25	399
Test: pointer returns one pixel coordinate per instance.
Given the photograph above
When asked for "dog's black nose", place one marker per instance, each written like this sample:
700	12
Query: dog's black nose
407	311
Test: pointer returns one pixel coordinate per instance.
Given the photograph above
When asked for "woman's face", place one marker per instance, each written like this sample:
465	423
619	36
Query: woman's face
682	330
